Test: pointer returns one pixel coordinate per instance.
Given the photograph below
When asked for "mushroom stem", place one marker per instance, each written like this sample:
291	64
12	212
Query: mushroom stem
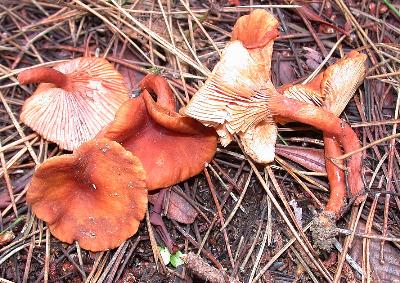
336	176
332	126
43	75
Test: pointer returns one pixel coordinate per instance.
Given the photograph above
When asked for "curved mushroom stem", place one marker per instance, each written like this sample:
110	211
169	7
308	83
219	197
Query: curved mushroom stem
336	176
159	86
43	75
316	160
331	125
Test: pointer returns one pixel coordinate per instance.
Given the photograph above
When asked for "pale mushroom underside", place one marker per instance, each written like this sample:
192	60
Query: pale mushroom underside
235	100
339	83
71	117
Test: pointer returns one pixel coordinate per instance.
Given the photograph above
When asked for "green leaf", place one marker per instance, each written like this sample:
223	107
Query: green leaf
155	70
176	260
165	255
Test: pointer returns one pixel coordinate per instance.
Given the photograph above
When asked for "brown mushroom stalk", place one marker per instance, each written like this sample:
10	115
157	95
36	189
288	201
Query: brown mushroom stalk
336	177
331	125
43	75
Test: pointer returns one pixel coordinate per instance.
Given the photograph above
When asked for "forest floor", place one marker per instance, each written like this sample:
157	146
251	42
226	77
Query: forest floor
269	208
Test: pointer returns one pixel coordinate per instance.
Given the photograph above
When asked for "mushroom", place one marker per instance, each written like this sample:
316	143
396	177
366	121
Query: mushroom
332	90
74	100
97	195
239	98
245	61
171	147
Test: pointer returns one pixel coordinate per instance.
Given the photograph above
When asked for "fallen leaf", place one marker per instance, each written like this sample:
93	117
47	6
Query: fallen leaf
18	186
309	13
176	260
389	270
6	237
313	58
131	77
286	72
179	209
310	158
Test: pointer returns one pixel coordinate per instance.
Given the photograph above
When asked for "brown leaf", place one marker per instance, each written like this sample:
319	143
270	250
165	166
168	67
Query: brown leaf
286	72
131	77
179	209
389	271
309	13
313	58
310	158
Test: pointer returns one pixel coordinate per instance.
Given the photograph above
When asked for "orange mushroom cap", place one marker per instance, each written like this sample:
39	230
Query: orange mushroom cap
96	195
256	30
171	147
74	101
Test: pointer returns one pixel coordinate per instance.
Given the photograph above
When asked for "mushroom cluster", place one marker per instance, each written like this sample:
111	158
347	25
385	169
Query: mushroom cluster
239	98
98	194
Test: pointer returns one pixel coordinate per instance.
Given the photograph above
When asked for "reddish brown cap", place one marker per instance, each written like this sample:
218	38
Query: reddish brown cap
74	101
95	196
256	30
171	147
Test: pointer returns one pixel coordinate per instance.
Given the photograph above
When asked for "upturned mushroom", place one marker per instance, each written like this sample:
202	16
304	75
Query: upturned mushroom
239	98
96	196
332	90
74	100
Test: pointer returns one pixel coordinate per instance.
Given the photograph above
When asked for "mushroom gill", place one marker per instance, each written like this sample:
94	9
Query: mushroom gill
74	100
237	98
